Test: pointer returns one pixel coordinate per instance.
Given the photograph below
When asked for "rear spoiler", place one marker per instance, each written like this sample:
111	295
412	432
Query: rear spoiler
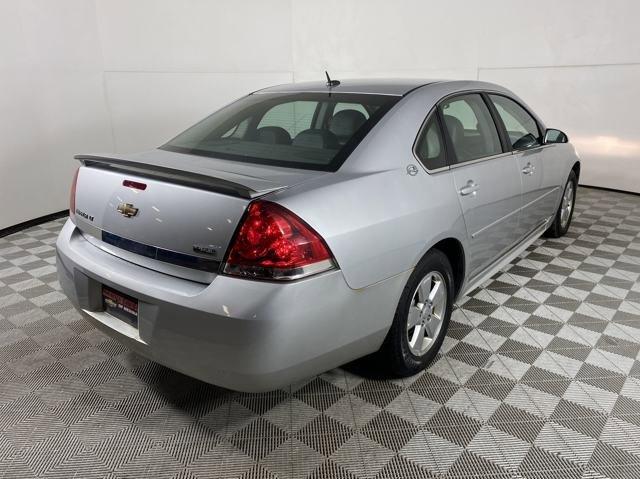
163	173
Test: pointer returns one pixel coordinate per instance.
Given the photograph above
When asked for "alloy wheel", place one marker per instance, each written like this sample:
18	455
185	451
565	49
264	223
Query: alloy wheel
567	205
426	313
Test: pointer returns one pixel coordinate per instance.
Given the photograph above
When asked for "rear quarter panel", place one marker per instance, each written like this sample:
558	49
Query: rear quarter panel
381	224
377	219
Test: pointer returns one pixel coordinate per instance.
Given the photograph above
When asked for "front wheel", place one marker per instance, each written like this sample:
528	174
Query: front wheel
562	220
422	316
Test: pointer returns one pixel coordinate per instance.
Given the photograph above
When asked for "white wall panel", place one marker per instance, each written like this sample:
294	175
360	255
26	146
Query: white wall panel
51	100
149	108
557	32
371	36
41	34
84	76
195	35
120	75
596	106
50	117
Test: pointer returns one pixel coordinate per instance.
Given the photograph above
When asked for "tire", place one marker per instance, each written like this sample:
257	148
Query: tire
407	356
563	217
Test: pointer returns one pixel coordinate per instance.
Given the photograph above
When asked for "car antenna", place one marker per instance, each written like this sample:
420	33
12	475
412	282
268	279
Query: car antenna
331	83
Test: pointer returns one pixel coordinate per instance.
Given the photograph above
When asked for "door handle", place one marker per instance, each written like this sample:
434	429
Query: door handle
469	189
528	169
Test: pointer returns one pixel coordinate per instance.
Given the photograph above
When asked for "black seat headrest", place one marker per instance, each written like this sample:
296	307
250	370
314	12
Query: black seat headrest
313	138
345	123
454	126
273	135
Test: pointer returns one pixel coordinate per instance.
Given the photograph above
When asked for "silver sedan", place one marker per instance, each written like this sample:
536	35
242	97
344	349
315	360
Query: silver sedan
306	225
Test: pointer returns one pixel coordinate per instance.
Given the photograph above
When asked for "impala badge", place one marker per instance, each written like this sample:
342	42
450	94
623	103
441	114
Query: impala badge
127	210
211	249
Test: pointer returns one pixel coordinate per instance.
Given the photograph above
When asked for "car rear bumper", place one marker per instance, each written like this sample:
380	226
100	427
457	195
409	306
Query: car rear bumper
241	334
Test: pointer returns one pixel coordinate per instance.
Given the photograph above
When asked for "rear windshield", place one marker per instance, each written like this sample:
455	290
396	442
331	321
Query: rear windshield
314	131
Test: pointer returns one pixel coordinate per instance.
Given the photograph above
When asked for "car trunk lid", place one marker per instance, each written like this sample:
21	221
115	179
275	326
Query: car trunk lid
171	212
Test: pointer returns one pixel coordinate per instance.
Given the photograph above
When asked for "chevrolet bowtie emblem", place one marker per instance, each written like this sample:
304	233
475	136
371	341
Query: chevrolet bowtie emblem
127	209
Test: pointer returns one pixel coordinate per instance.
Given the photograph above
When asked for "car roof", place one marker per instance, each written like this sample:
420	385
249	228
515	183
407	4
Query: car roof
380	86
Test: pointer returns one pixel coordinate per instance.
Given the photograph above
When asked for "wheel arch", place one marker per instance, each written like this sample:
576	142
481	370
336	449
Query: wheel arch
576	169
453	249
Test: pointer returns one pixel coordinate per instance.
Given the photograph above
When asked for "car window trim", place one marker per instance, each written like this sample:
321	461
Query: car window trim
445	144
454	157
504	128
481	160
448	145
502	132
505	141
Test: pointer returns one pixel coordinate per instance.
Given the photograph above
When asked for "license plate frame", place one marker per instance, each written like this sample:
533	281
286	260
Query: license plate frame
120	305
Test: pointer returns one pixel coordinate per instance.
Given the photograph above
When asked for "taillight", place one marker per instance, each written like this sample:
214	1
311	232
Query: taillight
72	196
273	243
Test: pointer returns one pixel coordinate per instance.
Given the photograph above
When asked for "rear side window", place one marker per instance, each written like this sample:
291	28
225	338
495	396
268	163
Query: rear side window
430	147
314	131
470	127
521	127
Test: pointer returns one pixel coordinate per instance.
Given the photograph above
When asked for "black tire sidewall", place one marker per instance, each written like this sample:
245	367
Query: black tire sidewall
560	230
404	361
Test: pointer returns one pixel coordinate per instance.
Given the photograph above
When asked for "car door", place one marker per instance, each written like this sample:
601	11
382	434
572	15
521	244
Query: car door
486	177
525	138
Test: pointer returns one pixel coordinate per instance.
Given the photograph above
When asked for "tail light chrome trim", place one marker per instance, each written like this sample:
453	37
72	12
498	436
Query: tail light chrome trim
284	275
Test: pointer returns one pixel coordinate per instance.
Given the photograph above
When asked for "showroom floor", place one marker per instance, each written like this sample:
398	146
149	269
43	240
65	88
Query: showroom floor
539	378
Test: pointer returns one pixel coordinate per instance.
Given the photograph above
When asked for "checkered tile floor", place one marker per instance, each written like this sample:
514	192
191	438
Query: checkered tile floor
539	377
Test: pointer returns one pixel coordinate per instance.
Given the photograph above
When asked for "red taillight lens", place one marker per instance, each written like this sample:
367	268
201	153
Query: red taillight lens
72	196
273	243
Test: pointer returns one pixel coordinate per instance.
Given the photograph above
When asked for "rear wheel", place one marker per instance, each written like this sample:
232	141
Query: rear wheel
422	316
562	220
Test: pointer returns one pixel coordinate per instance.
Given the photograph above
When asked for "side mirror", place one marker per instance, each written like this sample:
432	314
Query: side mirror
554	136
525	142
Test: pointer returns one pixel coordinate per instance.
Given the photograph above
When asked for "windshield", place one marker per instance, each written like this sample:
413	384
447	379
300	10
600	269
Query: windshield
314	131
